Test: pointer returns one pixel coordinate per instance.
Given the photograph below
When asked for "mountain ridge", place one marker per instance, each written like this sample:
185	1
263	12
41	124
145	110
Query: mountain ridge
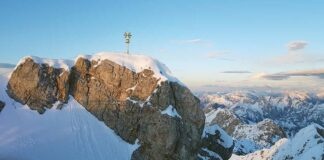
136	97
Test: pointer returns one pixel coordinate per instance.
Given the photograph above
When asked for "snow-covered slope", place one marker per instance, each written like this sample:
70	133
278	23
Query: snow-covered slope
264	154
69	133
307	144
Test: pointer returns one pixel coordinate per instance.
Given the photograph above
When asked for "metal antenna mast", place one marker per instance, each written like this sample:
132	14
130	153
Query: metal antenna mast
127	36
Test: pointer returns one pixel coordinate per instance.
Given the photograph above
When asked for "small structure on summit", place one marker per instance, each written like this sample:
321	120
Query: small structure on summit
127	36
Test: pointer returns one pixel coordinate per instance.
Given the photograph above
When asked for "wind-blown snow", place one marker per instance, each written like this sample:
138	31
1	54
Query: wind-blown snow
70	133
171	111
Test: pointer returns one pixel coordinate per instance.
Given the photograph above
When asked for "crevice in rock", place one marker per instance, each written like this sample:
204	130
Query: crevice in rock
2	105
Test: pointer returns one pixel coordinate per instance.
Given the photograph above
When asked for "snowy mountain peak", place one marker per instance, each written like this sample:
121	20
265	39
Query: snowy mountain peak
135	63
135	96
308	143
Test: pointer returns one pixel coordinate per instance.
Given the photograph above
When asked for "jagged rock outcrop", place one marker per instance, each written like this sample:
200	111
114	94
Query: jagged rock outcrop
262	135
216	144
164	116
248	137
38	85
224	118
127	103
2	104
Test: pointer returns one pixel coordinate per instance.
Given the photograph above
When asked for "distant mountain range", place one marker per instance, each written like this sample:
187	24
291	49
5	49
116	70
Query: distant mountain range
307	144
259	120
7	65
290	110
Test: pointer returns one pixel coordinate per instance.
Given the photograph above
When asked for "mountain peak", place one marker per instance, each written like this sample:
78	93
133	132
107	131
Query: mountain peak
135	63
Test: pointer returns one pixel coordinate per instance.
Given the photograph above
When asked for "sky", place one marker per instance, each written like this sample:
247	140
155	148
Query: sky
206	44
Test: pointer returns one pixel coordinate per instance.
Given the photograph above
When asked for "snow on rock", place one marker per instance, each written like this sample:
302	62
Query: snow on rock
136	63
224	139
171	111
248	137
55	63
263	133
69	133
210	154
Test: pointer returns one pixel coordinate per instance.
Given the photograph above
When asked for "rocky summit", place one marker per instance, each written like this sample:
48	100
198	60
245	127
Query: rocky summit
135	96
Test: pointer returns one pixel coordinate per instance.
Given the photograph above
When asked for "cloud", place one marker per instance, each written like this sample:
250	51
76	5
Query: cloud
236	71
285	75
190	41
296	45
296	55
7	65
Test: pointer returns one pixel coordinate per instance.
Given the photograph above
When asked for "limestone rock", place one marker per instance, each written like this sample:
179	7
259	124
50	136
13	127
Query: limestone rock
133	104
224	118
38	85
216	144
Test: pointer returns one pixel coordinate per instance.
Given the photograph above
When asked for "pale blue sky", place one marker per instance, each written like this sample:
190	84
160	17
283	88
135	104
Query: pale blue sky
197	40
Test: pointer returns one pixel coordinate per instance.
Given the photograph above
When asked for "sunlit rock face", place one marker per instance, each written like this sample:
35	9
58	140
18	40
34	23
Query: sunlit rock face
163	116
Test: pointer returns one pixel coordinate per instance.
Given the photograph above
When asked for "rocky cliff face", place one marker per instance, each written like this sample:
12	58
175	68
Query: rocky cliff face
216	144
38	85
163	116
131	104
